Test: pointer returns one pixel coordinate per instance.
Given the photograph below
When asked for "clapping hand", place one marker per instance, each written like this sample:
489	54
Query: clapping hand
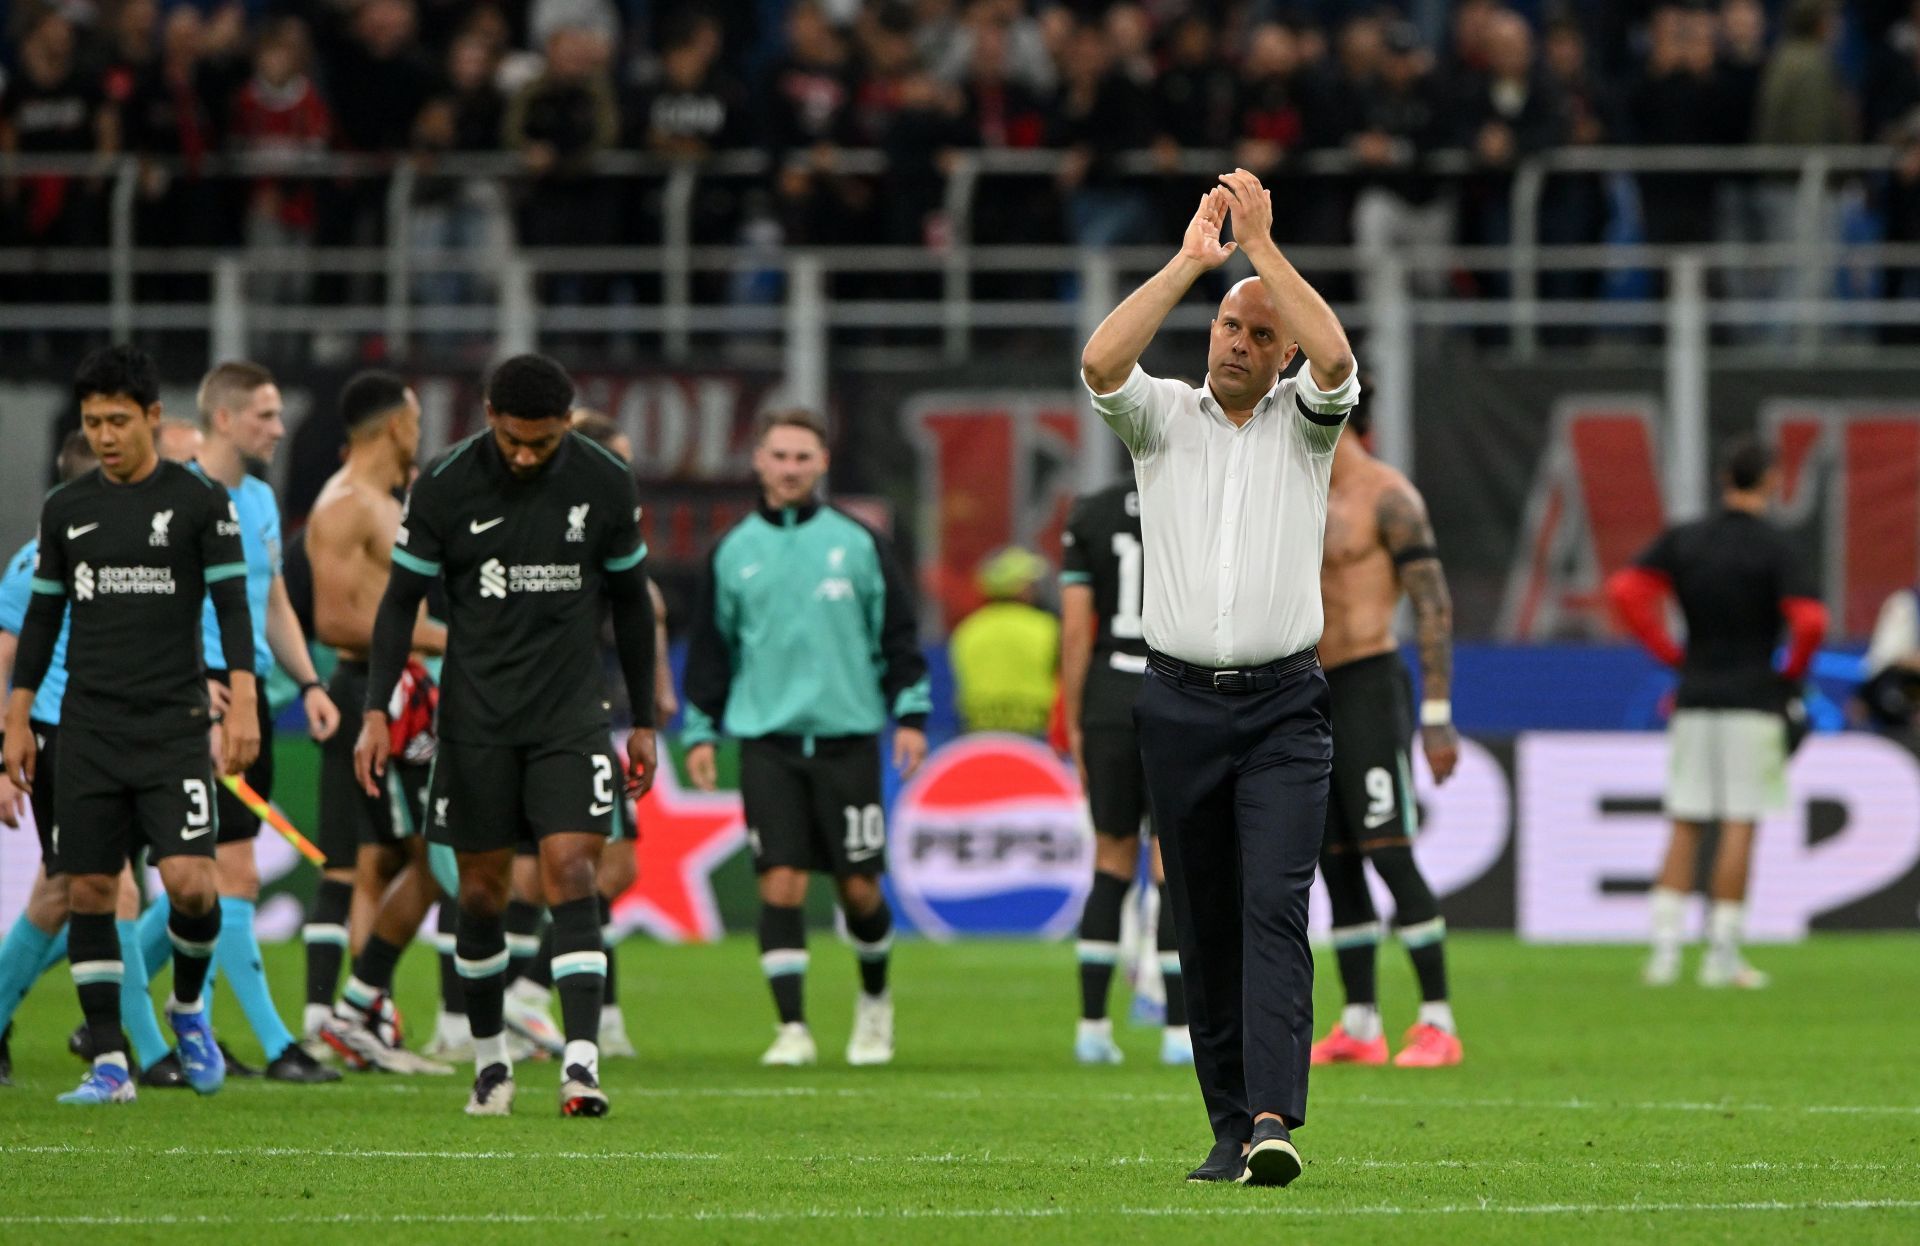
1202	243
1252	206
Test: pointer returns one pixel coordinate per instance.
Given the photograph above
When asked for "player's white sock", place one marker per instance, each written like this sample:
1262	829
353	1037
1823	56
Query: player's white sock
1438	1014
316	1016
1726	921
1361	1021
188	1006
530	992
580	1051
1667	909
1103	1028
491	1051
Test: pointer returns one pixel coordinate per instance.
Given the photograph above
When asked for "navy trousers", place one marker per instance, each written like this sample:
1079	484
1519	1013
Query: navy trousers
1238	783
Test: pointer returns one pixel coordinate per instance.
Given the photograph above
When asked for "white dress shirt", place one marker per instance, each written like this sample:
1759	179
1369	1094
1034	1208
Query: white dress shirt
1232	518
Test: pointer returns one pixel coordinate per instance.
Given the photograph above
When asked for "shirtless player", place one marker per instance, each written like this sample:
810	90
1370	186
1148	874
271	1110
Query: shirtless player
349	539
1379	543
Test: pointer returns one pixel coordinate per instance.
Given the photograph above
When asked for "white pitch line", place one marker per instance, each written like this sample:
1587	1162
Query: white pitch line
1323	1098
1318	1163
1486	1208
1601	1105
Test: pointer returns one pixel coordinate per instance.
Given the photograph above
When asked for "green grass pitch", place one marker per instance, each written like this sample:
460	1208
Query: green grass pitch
1589	1109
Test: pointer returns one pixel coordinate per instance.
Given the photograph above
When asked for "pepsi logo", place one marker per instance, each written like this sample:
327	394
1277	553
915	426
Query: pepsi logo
991	837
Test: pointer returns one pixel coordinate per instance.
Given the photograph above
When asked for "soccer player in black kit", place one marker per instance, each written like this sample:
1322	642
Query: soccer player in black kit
1103	659
1739	586
530	526
131	551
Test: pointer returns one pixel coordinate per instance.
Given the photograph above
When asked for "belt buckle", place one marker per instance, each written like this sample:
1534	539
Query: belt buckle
1229	681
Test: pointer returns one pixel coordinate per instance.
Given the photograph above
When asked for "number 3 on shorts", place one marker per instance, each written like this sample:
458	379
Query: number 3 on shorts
199	811
866	830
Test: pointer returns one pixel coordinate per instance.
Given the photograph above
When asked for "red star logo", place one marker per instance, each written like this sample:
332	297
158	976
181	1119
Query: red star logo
684	836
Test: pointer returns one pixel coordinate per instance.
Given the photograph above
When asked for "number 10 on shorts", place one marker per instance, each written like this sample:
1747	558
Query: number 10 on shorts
866	831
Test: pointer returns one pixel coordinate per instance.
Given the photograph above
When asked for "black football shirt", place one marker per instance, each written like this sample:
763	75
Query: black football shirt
134	562
524	563
1730	572
1101	549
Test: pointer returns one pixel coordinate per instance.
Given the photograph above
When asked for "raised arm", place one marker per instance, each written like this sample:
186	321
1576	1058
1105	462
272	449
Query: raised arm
1122	337
1407	534
1302	310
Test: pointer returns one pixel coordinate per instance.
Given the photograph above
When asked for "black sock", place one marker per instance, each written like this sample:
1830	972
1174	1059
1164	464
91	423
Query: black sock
1417	916
783	958
378	960
480	946
1356	928
372	973
1100	942
523	937
325	935
1426	945
608	942
93	949
193	939
1168	945
539	970
873	945
453	998
579	967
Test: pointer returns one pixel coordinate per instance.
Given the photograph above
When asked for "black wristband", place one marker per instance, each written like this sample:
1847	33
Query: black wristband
1414	553
309	686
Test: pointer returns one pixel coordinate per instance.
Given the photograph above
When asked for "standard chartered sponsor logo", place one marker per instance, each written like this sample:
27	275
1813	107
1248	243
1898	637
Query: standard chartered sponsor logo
545	577
89	582
497	579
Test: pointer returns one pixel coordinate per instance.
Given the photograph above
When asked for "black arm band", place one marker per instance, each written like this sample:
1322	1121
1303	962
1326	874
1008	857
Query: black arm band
1414	553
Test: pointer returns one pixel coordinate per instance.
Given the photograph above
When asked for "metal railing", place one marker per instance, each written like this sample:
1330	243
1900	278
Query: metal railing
957	312
798	328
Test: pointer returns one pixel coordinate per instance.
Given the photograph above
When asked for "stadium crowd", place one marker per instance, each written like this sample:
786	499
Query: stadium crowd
557	82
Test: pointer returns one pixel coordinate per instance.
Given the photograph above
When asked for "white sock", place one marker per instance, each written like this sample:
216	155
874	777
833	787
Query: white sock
117	1059
1438	1014
1103	1027
580	1051
1361	1021
491	1051
455	1025
530	992
1725	922
1667	909
186	1006
315	1016
610	1015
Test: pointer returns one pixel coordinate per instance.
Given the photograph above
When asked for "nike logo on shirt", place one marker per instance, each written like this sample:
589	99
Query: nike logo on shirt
191	833
594	811
81	531
476	527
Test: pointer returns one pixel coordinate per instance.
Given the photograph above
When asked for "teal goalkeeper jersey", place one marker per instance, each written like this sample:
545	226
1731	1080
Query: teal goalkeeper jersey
805	626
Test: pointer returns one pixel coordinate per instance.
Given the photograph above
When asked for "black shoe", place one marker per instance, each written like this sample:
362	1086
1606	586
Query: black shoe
164	1074
80	1042
234	1067
1272	1161
6	1055
1226	1162
295	1065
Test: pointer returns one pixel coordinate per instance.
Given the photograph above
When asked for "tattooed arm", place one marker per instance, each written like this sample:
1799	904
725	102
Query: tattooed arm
1408	537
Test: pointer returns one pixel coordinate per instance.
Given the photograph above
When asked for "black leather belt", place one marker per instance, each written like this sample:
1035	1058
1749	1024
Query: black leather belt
1236	682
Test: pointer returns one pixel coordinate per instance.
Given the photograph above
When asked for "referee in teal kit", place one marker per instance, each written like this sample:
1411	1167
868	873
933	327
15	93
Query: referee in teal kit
1234	728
